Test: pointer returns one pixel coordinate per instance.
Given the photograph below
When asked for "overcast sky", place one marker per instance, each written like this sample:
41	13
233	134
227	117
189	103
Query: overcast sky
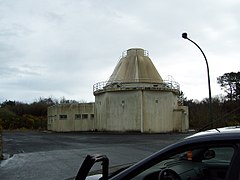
61	48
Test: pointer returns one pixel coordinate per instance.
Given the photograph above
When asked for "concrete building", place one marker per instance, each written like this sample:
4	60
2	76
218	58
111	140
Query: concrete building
135	98
71	117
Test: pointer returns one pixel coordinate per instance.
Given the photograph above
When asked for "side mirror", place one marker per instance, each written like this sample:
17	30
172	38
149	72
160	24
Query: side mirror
88	163
209	154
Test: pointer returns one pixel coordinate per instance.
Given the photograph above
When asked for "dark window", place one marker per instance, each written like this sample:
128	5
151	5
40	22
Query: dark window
85	116
78	116
63	116
92	116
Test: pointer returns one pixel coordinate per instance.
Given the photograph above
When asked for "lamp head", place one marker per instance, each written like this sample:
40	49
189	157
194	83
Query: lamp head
184	36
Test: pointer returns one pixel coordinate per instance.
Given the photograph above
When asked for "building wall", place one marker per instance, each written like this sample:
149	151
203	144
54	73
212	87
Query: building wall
117	111
149	111
158	111
181	119
138	110
71	117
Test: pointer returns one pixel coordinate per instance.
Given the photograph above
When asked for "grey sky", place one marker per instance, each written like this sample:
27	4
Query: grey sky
62	47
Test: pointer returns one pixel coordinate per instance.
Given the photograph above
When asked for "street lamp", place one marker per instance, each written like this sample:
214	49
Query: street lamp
184	36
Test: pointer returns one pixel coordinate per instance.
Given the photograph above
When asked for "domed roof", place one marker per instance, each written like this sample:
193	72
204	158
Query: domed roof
135	66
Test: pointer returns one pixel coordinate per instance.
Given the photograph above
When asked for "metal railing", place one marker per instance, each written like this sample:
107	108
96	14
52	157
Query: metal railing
124	53
107	85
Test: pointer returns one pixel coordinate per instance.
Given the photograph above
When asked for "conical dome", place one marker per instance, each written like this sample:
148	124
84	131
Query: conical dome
135	66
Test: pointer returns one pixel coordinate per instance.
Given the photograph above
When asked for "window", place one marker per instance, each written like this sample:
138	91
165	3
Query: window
85	116
221	154
63	116
78	116
123	102
207	162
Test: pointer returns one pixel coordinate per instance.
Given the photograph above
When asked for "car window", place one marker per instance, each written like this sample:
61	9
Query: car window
202	162
222	154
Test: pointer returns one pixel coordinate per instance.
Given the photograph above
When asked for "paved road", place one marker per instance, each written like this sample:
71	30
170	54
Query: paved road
46	155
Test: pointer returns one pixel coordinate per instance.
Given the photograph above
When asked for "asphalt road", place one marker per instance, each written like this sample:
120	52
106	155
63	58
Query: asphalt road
48	155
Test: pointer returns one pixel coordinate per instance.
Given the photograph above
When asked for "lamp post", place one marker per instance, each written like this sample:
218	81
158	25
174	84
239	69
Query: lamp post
184	36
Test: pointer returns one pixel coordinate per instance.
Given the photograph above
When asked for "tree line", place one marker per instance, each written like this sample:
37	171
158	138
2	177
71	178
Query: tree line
225	108
19	115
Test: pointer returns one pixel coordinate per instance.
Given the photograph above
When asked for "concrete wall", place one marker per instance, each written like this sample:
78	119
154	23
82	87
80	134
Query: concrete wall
118	111
138	110
71	117
158	111
181	119
150	111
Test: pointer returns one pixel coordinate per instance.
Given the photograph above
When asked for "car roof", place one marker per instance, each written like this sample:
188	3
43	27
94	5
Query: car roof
227	132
